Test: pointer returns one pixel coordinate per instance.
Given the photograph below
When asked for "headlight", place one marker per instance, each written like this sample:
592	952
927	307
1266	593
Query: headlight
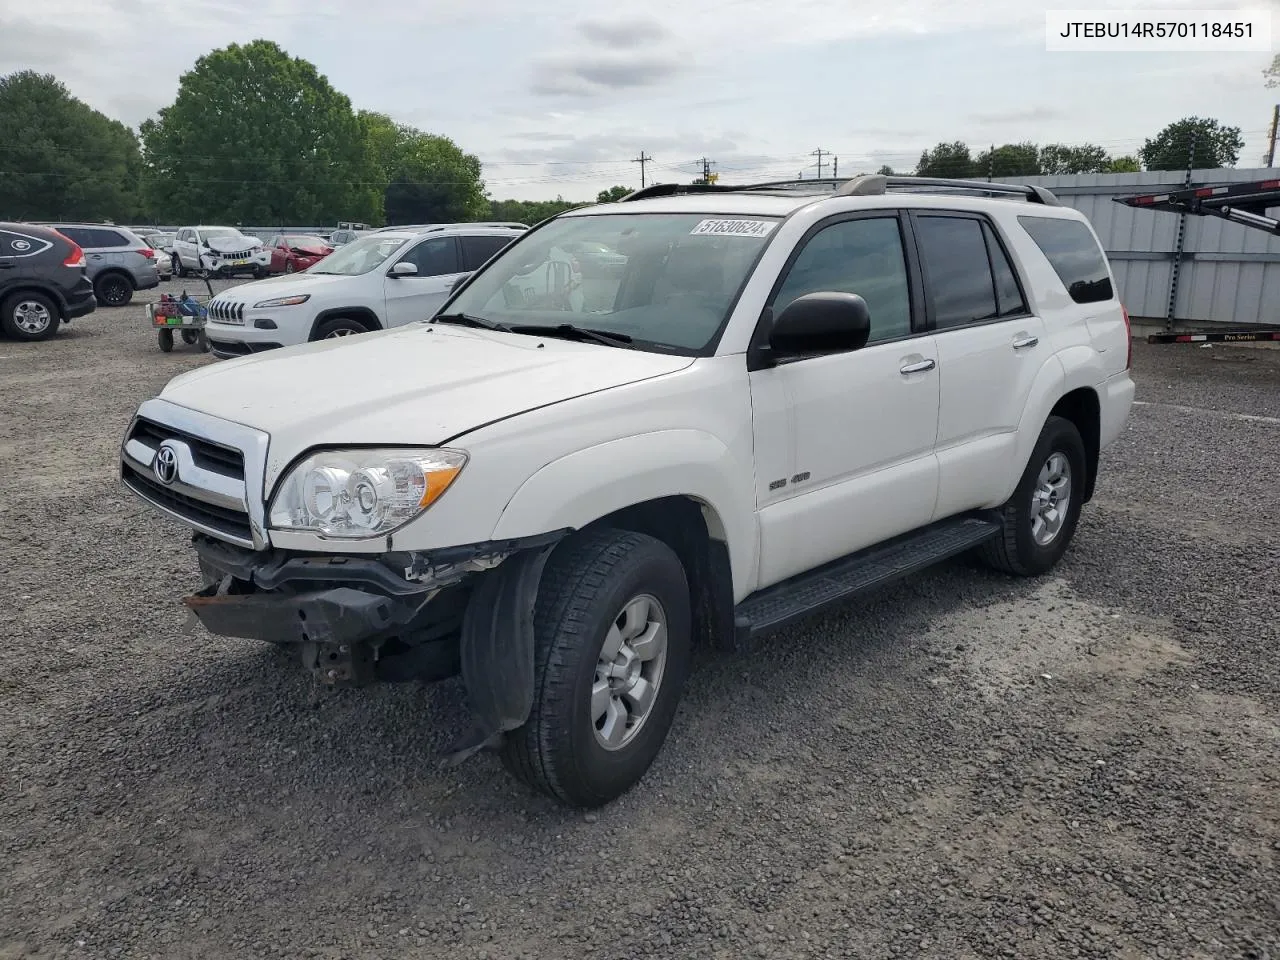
284	301
357	494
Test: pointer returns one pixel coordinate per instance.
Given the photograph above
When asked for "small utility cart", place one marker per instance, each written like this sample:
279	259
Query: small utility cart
184	315
1243	203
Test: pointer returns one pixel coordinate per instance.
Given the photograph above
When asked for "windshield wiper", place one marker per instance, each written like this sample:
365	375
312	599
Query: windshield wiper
568	331
470	320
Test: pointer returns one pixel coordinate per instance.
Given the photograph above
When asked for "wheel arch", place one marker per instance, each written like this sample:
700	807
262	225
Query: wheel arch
120	272
59	302
361	315
1083	408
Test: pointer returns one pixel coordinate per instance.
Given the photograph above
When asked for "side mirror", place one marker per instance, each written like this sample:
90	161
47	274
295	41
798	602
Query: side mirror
459	282
404	269
821	323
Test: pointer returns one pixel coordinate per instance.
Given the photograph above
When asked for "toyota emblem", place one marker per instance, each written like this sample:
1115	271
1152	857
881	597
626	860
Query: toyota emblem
165	466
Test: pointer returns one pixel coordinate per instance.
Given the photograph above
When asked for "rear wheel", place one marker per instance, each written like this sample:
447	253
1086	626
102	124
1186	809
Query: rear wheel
612	633
165	339
29	317
1040	518
113	290
189	337
338	327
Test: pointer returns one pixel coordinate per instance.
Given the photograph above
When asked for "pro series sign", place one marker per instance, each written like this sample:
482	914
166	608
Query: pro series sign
14	244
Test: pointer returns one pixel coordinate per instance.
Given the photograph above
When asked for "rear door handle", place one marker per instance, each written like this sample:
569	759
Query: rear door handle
918	367
1024	342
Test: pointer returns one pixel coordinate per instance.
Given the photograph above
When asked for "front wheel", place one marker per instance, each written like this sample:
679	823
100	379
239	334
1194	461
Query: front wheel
288	266
178	269
1040	518
612	634
338	327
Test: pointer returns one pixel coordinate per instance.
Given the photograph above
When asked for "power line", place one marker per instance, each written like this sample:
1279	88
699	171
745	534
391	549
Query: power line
819	153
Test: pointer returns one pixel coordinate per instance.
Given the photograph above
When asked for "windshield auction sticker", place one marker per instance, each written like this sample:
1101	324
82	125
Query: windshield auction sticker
733	228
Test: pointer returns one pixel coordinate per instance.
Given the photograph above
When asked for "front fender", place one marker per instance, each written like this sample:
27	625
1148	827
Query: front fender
584	486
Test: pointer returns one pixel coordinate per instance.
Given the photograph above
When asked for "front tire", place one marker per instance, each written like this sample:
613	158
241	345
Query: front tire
612	635
1040	518
338	327
29	317
178	269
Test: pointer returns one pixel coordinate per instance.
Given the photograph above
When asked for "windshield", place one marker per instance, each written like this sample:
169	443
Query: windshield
212	233
305	241
674	278
359	256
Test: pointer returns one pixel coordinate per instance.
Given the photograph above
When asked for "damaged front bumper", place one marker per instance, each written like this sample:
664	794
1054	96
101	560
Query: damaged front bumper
392	617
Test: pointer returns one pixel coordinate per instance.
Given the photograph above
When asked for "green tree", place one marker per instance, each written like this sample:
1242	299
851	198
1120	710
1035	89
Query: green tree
1059	158
1204	143
1123	165
61	158
256	135
433	181
886	171
1272	73
946	160
1009	160
613	194
529	211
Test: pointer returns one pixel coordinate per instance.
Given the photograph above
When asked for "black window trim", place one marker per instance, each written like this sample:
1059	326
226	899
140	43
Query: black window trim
915	286
988	236
931	318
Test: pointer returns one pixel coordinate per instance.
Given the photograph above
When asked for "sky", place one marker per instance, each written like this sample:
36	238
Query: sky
559	98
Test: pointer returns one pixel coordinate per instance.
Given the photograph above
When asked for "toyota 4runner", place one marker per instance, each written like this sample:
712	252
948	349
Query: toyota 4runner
785	395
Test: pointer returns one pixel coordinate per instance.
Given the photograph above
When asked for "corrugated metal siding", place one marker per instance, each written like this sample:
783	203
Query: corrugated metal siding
1230	274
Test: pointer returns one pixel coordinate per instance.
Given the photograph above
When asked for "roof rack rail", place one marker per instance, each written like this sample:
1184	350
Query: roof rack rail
863	186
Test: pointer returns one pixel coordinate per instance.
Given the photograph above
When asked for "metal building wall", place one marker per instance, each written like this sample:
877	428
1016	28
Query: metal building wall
1229	274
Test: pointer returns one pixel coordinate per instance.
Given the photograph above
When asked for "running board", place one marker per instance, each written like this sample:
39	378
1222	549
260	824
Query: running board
784	603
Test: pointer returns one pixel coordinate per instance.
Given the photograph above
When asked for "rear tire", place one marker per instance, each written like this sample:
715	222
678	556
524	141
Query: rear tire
113	290
338	327
1040	518
601	716
165	339
29	317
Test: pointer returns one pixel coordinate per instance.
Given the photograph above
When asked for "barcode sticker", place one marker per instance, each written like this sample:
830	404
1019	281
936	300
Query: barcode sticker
733	228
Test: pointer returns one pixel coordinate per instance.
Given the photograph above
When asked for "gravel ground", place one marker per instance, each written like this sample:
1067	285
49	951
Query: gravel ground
963	766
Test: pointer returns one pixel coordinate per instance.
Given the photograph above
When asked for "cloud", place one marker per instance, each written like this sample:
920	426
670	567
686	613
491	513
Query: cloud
1016	117
609	56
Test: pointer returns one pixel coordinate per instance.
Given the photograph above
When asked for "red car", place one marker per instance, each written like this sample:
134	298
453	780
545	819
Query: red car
293	252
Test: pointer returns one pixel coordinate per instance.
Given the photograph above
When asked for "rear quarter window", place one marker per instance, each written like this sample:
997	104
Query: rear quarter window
1075	256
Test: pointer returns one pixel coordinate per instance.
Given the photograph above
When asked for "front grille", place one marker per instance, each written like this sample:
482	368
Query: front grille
226	311
231	523
207	455
241	255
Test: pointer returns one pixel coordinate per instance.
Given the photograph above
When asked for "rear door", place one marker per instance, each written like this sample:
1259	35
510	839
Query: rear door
991	348
478	250
417	296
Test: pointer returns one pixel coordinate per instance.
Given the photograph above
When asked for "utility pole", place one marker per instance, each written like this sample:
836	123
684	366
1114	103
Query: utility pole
1275	123
706	171
835	168
820	154
642	160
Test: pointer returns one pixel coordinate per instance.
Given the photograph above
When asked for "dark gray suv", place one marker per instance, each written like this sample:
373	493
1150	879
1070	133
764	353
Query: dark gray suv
119	261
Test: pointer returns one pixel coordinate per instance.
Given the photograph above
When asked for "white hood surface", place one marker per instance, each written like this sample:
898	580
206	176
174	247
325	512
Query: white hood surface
232	244
281	285
420	384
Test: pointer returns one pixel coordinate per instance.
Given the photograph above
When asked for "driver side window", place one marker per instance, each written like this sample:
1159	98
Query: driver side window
863	256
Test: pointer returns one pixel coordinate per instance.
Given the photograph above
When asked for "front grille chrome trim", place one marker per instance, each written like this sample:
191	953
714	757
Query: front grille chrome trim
247	493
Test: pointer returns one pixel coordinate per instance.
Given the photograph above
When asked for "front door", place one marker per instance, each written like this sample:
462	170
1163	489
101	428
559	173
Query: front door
991	349
417	296
844	442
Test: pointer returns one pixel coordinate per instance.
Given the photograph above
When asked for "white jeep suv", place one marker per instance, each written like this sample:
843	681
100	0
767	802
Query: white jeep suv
383	279
785	396
218	252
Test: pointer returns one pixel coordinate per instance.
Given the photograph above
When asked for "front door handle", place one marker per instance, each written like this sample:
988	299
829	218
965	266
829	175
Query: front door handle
1023	342
918	367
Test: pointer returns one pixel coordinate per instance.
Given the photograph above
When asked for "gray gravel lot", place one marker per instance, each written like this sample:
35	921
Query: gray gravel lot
964	766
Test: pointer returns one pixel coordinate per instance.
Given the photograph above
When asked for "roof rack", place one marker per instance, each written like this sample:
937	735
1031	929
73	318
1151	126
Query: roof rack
864	186
1243	203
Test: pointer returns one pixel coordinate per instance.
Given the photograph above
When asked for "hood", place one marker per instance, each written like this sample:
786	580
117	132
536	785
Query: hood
314	251
423	383
232	244
281	285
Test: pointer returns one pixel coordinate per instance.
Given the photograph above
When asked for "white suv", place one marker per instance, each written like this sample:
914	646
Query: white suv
785	396
383	279
218	252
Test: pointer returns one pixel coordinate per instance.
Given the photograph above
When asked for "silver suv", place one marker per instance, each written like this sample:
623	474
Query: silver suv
118	260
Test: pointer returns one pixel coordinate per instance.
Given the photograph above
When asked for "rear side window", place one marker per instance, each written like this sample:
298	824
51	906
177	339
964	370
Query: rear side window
954	251
1074	255
476	250
79	235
